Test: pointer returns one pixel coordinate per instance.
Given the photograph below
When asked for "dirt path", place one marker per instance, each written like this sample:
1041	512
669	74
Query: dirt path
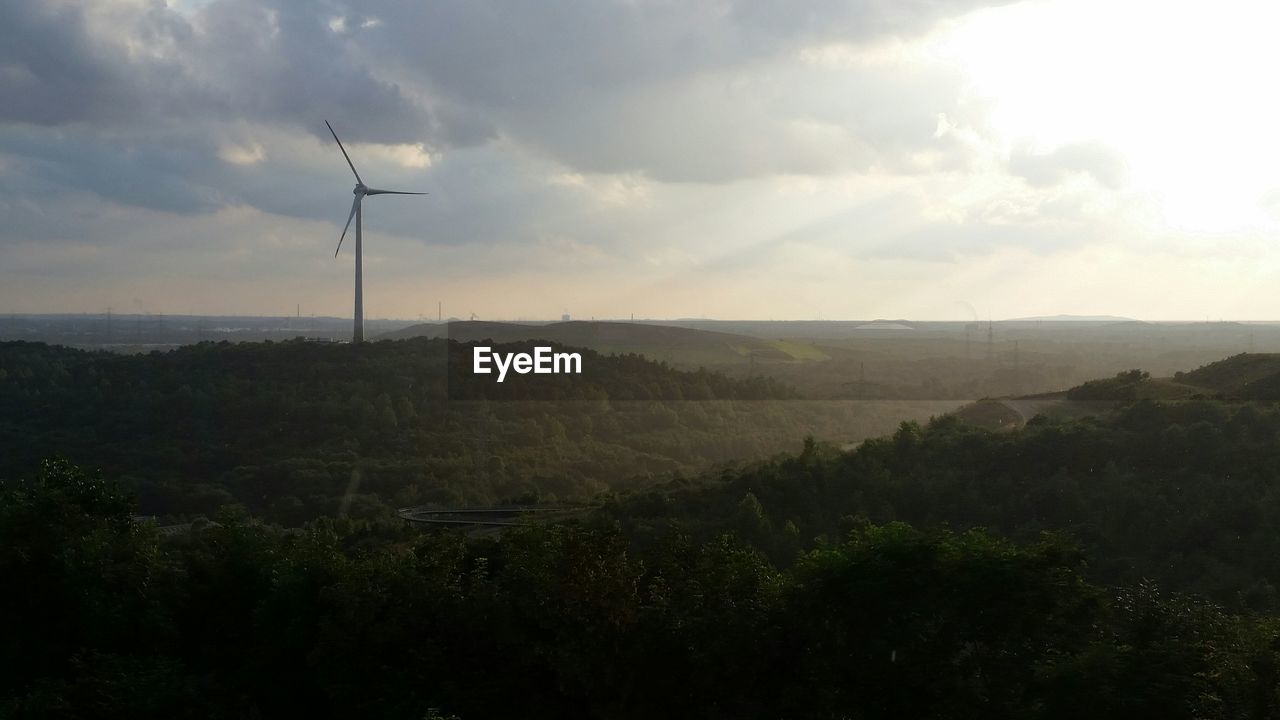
1025	408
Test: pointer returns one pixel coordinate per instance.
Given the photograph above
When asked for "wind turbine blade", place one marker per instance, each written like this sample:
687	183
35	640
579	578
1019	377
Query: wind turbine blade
344	152
373	191
354	204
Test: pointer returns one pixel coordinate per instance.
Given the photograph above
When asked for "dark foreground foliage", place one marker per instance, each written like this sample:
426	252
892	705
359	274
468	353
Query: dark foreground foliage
343	619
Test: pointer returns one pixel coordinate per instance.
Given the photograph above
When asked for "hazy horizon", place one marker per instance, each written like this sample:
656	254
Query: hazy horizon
1059	318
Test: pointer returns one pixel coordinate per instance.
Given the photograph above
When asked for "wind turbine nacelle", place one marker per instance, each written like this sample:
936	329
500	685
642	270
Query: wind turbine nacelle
359	189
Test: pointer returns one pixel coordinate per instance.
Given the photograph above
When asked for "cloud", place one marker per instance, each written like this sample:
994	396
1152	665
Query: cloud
50	70
679	92
186	108
1044	169
119	64
1270	202
584	81
647	141
250	154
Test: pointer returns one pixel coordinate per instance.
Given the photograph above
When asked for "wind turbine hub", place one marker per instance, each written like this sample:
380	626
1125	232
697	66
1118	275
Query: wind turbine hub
360	189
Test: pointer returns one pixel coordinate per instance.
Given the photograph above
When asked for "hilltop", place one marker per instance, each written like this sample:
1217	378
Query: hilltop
1074	318
1247	377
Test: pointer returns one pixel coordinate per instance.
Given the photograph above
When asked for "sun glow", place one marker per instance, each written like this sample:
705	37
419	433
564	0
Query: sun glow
1183	92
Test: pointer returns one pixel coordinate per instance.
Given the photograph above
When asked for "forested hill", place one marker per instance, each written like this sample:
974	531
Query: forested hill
1184	493
1247	377
289	428
413	368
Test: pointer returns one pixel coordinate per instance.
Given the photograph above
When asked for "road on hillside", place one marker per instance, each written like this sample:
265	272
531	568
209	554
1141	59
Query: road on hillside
1057	406
1027	408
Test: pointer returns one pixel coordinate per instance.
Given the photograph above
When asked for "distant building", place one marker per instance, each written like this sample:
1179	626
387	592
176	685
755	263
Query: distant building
564	317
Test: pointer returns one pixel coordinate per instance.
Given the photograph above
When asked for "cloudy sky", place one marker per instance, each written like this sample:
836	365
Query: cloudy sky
927	159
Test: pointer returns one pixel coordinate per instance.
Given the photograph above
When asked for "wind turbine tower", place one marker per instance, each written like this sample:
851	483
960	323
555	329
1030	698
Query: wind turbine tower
361	190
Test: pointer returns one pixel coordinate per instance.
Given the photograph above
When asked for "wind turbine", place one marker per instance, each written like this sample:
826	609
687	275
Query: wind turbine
360	191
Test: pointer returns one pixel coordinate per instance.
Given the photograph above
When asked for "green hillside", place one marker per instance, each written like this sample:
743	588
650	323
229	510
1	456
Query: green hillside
1183	493
1247	376
1243	377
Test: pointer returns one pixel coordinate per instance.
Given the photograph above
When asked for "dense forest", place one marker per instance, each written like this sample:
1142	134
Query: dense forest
295	430
1184	493
350	619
